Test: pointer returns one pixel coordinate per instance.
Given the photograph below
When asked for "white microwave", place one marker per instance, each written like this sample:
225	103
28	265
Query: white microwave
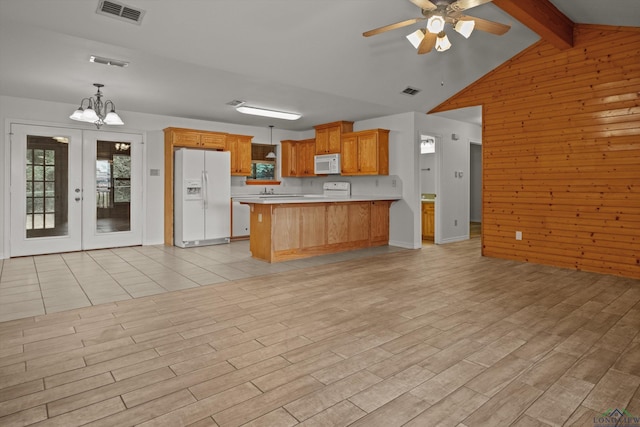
326	164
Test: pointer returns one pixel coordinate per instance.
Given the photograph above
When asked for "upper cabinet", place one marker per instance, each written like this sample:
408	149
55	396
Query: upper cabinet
179	137
297	158
329	136
240	148
365	152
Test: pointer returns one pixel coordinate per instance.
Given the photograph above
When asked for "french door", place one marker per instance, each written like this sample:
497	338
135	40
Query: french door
73	190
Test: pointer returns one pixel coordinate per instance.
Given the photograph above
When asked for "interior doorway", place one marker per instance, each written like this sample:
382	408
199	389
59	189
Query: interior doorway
73	190
428	184
475	189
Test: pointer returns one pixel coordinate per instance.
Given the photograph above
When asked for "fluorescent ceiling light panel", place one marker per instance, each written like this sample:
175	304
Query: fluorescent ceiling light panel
244	109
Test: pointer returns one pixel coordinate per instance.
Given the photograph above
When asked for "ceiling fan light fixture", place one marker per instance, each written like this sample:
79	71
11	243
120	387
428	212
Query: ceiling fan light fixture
416	37
245	109
435	24
465	28
442	42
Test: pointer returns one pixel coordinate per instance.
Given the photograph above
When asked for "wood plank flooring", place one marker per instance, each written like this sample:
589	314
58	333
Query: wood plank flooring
438	336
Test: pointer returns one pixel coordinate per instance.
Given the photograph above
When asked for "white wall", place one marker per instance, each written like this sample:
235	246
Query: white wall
403	179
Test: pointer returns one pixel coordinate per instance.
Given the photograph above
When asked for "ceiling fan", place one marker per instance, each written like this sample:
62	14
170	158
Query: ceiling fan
438	13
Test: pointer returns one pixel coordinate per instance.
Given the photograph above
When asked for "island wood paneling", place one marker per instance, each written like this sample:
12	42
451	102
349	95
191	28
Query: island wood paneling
561	152
287	231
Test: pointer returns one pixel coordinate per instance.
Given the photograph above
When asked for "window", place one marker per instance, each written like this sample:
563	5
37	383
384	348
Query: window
262	169
427	144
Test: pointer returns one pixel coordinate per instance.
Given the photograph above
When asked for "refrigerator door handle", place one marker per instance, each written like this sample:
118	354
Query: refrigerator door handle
205	192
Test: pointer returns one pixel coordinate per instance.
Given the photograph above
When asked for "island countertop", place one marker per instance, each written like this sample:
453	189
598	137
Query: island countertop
311	198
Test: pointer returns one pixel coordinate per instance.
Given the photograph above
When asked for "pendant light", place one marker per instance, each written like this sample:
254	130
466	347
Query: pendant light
271	155
97	112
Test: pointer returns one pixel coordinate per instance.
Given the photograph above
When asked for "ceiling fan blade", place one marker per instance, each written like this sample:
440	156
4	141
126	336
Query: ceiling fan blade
461	5
428	42
487	26
392	27
424	4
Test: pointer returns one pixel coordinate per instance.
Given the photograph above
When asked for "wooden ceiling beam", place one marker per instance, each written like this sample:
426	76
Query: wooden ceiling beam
542	17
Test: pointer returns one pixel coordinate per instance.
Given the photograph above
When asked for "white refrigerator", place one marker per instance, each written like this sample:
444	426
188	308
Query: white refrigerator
202	197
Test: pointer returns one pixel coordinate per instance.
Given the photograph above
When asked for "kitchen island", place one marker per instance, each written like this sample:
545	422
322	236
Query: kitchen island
293	227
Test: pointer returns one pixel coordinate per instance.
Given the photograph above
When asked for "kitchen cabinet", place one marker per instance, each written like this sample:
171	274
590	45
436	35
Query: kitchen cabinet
189	138
329	136
213	141
428	221
365	152
240	148
286	231
297	158
380	221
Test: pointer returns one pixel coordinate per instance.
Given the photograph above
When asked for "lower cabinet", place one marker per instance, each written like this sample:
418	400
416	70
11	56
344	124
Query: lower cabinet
428	221
281	232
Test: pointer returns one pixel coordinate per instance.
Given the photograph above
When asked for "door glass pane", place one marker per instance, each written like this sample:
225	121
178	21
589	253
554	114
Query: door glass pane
46	187
113	187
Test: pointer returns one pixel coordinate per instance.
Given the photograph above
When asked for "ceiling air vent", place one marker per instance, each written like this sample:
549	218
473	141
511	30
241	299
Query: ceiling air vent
235	103
410	91
120	11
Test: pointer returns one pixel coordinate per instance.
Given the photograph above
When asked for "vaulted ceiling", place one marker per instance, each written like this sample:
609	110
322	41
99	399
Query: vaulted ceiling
189	58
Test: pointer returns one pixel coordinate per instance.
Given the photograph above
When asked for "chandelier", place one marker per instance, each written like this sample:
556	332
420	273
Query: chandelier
96	111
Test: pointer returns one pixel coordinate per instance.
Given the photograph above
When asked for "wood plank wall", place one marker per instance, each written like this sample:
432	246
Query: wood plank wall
561	152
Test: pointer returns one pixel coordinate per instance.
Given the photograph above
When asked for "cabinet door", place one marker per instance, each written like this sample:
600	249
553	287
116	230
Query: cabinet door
334	137
186	139
288	159
306	152
285	228
244	156
337	223
312	226
380	221
368	154
359	217
240	148
428	221
322	141
349	156
213	141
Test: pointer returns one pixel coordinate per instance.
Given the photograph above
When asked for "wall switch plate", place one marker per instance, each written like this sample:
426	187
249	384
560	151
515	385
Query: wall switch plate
518	235
259	217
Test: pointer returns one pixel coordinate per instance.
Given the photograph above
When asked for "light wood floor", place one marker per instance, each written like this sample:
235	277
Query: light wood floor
438	336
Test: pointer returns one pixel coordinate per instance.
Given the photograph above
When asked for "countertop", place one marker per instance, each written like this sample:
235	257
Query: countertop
274	199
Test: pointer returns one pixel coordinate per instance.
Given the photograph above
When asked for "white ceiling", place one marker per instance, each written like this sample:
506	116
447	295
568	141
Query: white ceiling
188	58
